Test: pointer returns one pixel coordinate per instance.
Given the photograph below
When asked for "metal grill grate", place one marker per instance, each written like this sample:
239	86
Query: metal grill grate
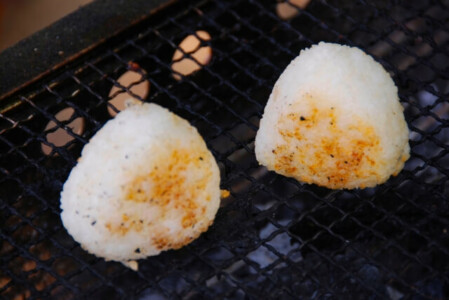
273	238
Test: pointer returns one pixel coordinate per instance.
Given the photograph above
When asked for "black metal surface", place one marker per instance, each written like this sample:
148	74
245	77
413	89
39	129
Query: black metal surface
67	38
273	238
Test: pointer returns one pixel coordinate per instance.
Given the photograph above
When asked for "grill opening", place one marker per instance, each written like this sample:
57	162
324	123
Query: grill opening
272	237
196	55
131	84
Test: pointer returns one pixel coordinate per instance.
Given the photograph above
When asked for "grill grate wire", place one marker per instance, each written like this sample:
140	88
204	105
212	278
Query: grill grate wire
273	237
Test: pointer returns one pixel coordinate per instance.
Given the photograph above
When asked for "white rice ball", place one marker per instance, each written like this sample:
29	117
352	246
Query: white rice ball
145	183
334	119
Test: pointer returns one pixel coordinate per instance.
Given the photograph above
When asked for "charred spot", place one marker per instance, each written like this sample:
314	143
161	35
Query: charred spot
273	151
201	158
137	250
338	154
93	223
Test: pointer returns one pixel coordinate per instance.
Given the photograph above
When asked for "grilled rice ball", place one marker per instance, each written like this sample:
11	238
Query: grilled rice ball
334	119
145	183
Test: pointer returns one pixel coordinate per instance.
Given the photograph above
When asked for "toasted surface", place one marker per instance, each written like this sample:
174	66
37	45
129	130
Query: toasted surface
334	119
145	183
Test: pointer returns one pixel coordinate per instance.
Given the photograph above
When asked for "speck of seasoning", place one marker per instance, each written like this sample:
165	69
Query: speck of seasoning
141	221
201	158
346	161
328	178
332	155
126	156
93	223
77	212
302	118
224	194
332	107
273	151
332	123
139	190
137	250
122	224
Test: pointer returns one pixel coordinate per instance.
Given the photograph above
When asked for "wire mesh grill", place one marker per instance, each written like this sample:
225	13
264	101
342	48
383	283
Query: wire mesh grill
272	238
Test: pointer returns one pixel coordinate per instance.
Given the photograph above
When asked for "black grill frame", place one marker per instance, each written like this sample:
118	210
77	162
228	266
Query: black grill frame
273	238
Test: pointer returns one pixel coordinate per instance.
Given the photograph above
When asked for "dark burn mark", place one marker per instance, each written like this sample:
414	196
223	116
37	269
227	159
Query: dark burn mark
346	161
332	155
201	158
137	250
302	118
